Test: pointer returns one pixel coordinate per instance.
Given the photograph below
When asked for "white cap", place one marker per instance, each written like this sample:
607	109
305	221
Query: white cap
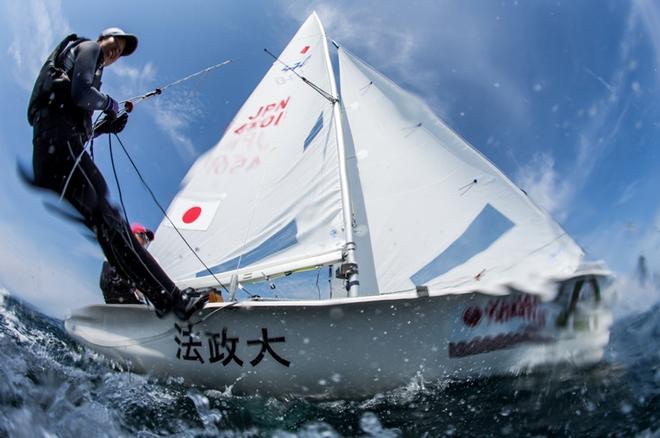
131	40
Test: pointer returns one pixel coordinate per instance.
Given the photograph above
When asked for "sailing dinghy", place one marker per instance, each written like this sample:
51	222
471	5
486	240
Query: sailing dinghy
447	268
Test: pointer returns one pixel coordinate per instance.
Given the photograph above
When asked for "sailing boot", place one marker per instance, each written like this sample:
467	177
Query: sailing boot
187	302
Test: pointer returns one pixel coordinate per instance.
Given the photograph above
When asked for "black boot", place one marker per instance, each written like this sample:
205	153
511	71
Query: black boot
187	302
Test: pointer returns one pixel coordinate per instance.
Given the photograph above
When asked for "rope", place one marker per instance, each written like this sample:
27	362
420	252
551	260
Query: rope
128	107
75	164
153	196
127	236
121	198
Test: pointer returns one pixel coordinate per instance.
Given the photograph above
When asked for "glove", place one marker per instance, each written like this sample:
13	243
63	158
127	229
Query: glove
111	125
112	107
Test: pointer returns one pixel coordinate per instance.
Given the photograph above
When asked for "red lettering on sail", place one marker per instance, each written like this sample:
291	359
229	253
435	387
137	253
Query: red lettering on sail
239	162
234	164
268	115
261	109
266	122
254	163
284	103
279	117
270	107
218	165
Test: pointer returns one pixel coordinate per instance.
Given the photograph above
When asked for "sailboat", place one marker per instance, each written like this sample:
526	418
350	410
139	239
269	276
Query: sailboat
442	267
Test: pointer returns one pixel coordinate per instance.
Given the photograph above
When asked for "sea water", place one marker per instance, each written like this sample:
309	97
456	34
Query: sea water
51	386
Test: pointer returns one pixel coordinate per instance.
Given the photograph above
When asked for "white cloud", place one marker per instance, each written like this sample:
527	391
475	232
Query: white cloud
46	277
404	43
556	189
648	13
371	34
540	179
627	193
133	80
174	114
36	27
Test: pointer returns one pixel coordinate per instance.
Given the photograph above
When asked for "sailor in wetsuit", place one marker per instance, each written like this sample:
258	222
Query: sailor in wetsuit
117	289
64	98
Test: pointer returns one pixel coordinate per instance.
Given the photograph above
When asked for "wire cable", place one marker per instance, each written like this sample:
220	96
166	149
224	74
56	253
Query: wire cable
121	197
153	196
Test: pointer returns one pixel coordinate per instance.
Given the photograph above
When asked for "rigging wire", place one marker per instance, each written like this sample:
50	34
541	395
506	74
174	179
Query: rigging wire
131	102
153	196
121	197
316	88
127	233
79	157
128	107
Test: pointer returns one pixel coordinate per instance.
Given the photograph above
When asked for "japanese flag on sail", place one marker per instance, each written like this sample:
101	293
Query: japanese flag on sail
192	214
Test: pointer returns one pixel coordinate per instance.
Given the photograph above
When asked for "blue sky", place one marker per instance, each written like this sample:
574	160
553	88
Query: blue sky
561	95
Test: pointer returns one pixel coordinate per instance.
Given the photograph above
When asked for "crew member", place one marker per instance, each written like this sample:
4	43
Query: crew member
117	289
65	96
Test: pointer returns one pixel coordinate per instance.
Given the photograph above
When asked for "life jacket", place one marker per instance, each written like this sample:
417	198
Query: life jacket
53	85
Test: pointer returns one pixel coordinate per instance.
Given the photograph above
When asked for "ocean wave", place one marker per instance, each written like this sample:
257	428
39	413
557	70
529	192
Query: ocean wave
51	386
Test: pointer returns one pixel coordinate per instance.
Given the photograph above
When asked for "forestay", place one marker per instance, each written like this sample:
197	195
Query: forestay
438	213
267	198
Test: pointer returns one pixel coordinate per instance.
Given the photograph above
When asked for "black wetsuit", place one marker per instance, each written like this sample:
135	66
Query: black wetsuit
61	130
116	289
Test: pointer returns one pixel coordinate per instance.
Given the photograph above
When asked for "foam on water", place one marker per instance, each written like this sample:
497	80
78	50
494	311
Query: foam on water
51	386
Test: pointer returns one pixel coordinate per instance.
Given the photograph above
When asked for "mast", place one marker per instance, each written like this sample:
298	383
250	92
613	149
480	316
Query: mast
349	269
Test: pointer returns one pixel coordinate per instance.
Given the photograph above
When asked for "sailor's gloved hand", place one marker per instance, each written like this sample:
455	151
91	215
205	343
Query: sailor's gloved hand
112	107
111	125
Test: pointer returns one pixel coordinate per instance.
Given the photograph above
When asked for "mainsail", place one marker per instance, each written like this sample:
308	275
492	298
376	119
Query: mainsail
438	213
427	209
267	198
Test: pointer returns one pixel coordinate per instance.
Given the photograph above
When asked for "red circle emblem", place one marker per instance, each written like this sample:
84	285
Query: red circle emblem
191	215
472	316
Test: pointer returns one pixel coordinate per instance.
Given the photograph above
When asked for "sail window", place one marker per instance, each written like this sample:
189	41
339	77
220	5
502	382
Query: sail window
279	241
314	132
484	230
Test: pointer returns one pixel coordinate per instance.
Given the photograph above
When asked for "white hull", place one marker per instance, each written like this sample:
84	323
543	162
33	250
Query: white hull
350	347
